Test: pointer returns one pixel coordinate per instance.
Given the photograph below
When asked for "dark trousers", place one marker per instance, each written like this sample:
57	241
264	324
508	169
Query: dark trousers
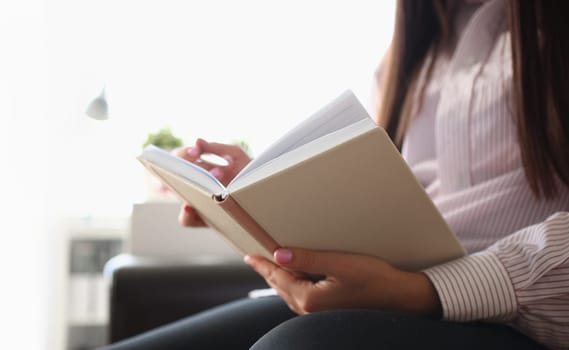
267	323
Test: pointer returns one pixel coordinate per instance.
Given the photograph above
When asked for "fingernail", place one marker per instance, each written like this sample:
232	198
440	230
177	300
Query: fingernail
247	259
229	159
216	172
283	256
187	209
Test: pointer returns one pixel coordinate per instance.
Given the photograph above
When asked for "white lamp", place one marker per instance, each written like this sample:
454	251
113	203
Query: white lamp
98	108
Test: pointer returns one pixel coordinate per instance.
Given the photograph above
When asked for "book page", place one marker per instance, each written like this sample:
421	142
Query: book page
298	155
343	111
182	168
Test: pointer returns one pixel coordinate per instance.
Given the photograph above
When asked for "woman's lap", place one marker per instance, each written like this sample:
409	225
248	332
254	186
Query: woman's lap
235	325
369	329
269	324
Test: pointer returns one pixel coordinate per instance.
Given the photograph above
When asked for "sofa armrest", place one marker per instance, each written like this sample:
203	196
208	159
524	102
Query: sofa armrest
144	297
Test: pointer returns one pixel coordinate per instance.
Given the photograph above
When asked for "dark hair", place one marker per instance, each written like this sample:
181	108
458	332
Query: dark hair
540	58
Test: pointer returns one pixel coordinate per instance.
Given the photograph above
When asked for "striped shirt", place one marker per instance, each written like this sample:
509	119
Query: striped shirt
462	145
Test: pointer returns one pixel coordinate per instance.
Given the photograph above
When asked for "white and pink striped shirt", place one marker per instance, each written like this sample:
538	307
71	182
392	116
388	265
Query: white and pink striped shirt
462	145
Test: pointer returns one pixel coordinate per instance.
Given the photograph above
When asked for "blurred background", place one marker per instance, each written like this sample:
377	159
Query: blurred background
230	71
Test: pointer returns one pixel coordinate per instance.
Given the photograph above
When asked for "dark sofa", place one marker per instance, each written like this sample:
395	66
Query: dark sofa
144	296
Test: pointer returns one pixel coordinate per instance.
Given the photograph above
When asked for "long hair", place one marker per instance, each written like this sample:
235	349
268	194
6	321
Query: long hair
540	58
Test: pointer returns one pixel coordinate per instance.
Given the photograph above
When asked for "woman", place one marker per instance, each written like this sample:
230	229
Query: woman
476	95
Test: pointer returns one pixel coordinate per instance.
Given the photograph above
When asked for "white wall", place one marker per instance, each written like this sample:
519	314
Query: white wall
219	69
23	155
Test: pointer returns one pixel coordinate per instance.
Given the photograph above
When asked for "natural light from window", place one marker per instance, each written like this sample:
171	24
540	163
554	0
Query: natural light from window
222	70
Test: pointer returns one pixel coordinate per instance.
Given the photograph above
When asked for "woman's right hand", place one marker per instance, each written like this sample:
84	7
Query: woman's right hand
236	157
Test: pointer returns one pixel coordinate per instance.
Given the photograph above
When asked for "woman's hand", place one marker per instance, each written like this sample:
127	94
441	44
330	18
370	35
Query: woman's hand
233	154
350	281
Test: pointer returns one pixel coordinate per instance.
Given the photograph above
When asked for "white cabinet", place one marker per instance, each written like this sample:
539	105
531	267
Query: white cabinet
90	243
156	233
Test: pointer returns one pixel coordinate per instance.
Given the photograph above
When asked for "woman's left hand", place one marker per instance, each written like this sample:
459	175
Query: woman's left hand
349	281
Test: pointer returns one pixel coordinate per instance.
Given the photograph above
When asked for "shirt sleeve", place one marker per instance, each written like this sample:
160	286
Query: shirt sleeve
522	279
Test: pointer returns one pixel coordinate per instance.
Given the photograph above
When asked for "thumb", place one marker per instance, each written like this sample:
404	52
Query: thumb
308	261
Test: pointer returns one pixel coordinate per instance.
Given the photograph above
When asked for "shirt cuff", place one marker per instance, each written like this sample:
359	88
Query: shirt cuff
474	287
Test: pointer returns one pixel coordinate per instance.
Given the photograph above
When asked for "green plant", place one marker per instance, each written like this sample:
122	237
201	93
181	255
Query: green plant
163	139
244	146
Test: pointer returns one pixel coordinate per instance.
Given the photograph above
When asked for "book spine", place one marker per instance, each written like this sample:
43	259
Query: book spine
247	222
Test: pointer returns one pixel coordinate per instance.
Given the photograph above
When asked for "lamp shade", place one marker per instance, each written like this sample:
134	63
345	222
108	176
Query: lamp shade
98	108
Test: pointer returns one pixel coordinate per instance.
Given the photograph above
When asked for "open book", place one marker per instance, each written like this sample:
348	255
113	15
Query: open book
335	182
